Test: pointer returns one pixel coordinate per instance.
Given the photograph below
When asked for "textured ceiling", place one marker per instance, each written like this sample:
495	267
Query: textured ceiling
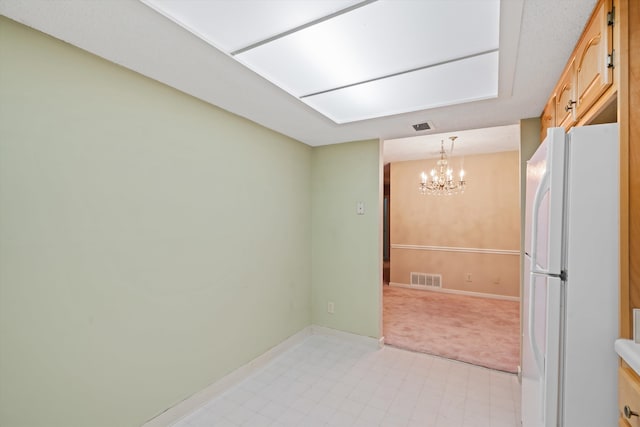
469	142
536	39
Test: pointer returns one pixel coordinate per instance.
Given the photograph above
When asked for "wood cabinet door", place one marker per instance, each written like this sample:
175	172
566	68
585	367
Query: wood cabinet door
548	118
565	97
593	75
629	395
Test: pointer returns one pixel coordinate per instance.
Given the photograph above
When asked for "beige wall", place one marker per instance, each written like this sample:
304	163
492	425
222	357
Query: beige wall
486	216
346	249
149	243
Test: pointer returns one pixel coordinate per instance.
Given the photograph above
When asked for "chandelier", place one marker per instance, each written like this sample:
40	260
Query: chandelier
440	181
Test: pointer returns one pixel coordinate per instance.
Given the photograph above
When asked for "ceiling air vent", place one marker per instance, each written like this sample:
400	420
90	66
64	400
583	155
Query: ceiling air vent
422	126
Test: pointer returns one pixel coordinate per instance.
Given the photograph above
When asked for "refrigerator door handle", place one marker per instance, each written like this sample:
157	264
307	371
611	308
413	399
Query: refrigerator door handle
537	354
547	273
542	189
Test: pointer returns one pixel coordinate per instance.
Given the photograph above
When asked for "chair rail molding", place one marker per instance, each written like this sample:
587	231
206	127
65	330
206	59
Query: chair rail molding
456	249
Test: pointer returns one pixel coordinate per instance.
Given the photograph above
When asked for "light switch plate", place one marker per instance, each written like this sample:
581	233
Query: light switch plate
636	325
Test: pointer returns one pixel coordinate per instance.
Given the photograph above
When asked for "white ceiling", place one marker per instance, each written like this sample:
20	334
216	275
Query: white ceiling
536	38
468	143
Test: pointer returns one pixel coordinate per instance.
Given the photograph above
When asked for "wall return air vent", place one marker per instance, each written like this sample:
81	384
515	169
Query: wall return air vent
426	280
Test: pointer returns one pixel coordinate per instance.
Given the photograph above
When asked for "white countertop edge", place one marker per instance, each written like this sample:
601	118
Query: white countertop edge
629	351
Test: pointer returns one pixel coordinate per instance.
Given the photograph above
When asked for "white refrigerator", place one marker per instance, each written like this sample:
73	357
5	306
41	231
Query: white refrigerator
570	298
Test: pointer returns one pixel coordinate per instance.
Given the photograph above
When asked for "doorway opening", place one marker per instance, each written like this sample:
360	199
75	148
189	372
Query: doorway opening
452	263
386	245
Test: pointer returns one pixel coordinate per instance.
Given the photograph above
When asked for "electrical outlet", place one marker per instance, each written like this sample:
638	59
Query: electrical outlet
468	277
330	307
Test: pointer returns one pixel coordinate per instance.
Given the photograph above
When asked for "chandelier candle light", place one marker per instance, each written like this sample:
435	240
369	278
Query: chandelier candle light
440	182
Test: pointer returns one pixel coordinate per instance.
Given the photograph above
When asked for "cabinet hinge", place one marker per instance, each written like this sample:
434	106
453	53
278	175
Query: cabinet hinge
610	59
611	16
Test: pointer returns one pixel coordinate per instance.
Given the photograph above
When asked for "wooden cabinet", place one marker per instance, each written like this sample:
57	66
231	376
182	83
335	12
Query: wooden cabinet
593	65
632	142
627	78
548	118
588	75
565	98
629	396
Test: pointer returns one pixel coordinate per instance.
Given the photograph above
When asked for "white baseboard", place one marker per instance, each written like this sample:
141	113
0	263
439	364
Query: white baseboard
199	399
455	291
323	330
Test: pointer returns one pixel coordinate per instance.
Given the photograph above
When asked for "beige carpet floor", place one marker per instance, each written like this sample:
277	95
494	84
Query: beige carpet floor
481	331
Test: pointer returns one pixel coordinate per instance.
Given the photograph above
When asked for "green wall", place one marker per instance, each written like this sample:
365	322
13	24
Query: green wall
150	243
346	248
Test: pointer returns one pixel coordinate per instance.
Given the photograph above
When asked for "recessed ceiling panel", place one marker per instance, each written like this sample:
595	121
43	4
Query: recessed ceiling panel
378	40
355	60
230	25
466	80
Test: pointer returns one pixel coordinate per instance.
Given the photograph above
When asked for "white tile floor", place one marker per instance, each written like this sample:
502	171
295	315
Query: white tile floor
333	381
